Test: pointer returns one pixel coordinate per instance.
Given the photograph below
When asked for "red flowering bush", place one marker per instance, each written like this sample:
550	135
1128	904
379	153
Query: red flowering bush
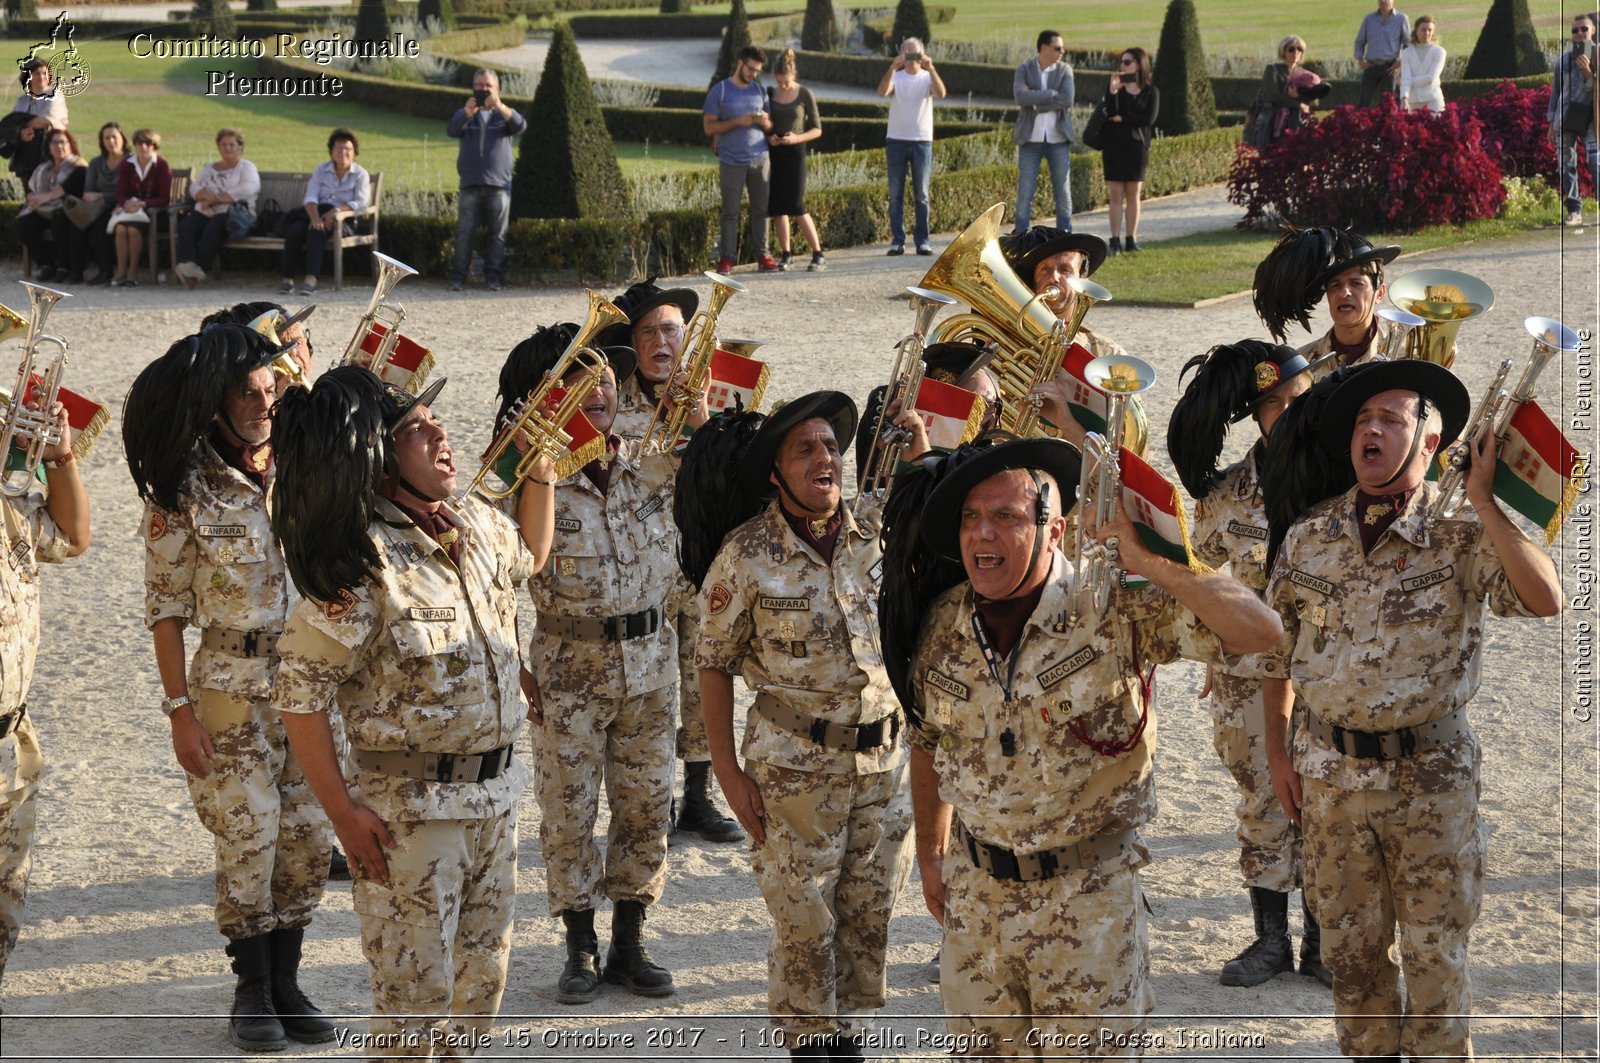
1374	169
1517	133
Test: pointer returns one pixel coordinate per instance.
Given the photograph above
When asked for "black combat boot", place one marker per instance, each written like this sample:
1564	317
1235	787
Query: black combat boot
302	1020
254	1025
580	978
815	1047
697	811
338	867
627	963
843	1049
1270	954
1311	947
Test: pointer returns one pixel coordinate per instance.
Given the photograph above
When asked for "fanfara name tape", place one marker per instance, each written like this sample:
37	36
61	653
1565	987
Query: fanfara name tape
443	613
221	531
1248	531
792	604
1306	579
939	681
568	524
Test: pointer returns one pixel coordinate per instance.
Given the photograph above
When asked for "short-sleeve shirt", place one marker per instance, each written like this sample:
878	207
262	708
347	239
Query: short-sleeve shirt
30	537
911	106
741	145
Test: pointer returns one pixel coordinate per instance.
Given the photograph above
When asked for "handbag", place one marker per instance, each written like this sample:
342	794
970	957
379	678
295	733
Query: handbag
120	217
241	219
1094	130
269	219
1258	123
85	212
1576	118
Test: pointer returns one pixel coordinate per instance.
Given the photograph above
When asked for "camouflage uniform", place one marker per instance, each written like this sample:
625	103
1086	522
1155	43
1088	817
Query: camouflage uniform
213	564
1324	345
838	822
1230	528
607	702
1396	840
424	658
1073	946
30	537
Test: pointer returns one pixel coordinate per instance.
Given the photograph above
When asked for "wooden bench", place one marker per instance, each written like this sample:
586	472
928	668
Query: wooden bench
288	190
160	218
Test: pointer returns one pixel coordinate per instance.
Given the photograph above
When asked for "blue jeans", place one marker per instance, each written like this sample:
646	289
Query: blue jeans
1029	156
491	207
1567	159
918	154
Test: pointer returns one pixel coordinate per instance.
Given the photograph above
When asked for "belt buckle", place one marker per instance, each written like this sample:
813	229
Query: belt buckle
1048	865
247	644
445	767
818	731
868	736
615	626
492	762
1407	737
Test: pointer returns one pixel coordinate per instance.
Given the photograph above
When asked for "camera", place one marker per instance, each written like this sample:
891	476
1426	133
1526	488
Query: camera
914	57
481	95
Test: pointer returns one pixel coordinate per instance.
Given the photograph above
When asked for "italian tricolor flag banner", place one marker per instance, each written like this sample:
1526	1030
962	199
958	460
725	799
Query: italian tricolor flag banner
1157	511
1087	402
409	363
735	376
584	444
953	415
1536	472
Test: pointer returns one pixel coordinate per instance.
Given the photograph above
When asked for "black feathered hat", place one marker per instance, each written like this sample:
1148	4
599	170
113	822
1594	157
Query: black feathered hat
941	517
1430	380
951	363
710	498
1024	251
251	312
1230	380
639	300
173	401
535	356
1289	282
332	444
755	467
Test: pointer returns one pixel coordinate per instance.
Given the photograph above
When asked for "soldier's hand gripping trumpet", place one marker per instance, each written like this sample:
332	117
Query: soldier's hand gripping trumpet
27	414
1100	482
905	383
687	383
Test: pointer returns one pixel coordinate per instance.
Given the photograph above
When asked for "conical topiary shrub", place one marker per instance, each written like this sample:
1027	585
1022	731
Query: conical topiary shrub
1508	47
676	7
819	32
566	166
261	5
734	36
215	17
910	20
372	21
1188	103
443	10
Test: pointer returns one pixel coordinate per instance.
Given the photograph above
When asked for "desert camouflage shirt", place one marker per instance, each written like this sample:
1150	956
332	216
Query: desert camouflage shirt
613	554
213	563
804	633
1319	347
422	657
1390	640
30	537
1230	528
634	410
1018	768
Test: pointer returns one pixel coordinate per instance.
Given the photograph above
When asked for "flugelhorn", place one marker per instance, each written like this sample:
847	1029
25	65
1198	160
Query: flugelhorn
905	382
542	414
694	363
32	426
1100	482
1445	299
382	317
1494	413
1400	323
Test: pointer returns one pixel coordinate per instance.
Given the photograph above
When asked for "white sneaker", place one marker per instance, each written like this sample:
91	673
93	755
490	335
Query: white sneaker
190	271
1573	219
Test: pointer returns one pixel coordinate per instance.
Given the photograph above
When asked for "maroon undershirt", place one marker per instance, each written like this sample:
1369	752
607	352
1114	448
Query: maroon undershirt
437	527
1371	529
830	535
1005	619
252	460
1349	352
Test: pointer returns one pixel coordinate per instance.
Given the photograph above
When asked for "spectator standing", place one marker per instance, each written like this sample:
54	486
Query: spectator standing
795	123
1278	88
46	196
912	84
86	233
735	118
143	184
1420	68
485	126
220	186
1044	90
48	110
1132	104
341	183
1572	90
1379	41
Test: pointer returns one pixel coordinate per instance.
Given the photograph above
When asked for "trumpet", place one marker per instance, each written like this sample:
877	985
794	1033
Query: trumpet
382	316
694	359
905	383
543	413
1100	482
271	325
33	427
1494	413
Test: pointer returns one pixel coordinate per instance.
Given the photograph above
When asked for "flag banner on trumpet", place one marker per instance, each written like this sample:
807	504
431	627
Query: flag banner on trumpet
953	415
86	416
584	444
734	375
1157	511
408	366
1538	472
1087	402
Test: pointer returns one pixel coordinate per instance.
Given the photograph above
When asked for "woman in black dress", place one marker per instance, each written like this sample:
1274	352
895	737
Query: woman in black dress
795	123
1132	104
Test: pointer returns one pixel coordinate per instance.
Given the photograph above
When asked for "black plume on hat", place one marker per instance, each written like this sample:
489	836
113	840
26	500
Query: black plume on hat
710	499
1289	282
1229	381
1298	470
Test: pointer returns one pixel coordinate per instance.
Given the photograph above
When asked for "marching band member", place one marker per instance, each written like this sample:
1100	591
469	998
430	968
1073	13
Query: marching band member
408	621
1308	265
961	363
197	431
1231	382
281	327
1032	749
790	601
1383	643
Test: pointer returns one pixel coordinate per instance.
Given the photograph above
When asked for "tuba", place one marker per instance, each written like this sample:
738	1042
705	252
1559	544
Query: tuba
32	427
382	321
544	412
694	359
905	381
1445	299
1494	412
1100	482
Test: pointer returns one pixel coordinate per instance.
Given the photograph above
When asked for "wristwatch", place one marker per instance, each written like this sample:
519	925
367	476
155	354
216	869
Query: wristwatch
172	705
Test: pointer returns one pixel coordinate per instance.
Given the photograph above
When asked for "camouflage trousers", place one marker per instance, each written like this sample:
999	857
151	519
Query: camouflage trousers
438	937
683	606
1060	966
624	741
272	838
20	766
1269	842
1377	858
836	855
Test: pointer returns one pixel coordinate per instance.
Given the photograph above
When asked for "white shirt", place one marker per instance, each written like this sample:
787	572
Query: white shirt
1047	124
911	106
1420	68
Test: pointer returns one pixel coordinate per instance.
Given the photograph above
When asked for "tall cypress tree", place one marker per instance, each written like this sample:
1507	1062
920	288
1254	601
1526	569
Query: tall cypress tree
261	5
911	20
214	16
443	10
735	36
819	32
372	21
1508	47
566	166
1188	103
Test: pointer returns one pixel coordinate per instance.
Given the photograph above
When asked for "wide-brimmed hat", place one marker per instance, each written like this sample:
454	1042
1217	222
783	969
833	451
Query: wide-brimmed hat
397	401
941	515
1351	250
1428	379
1294	275
642	298
1024	251
954	363
835	407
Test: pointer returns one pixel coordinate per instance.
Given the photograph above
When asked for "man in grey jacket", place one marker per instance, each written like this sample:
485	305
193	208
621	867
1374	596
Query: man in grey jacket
1573	84
1043	89
1383	35
484	125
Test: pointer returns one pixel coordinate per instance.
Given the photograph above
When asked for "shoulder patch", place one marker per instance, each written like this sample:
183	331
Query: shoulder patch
158	524
955	688
1306	579
337	608
718	598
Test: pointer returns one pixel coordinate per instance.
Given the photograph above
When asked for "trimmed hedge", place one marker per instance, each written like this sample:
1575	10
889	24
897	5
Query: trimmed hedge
980	79
469	39
651	26
877	109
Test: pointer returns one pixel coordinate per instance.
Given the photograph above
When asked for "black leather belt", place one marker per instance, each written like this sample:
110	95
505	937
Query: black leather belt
848	737
11	721
435	767
240	643
1388	745
1048	863
609	628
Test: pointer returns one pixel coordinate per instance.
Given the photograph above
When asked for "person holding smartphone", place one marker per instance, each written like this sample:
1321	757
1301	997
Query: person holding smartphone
912	84
736	118
1571	114
484	125
1132	104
